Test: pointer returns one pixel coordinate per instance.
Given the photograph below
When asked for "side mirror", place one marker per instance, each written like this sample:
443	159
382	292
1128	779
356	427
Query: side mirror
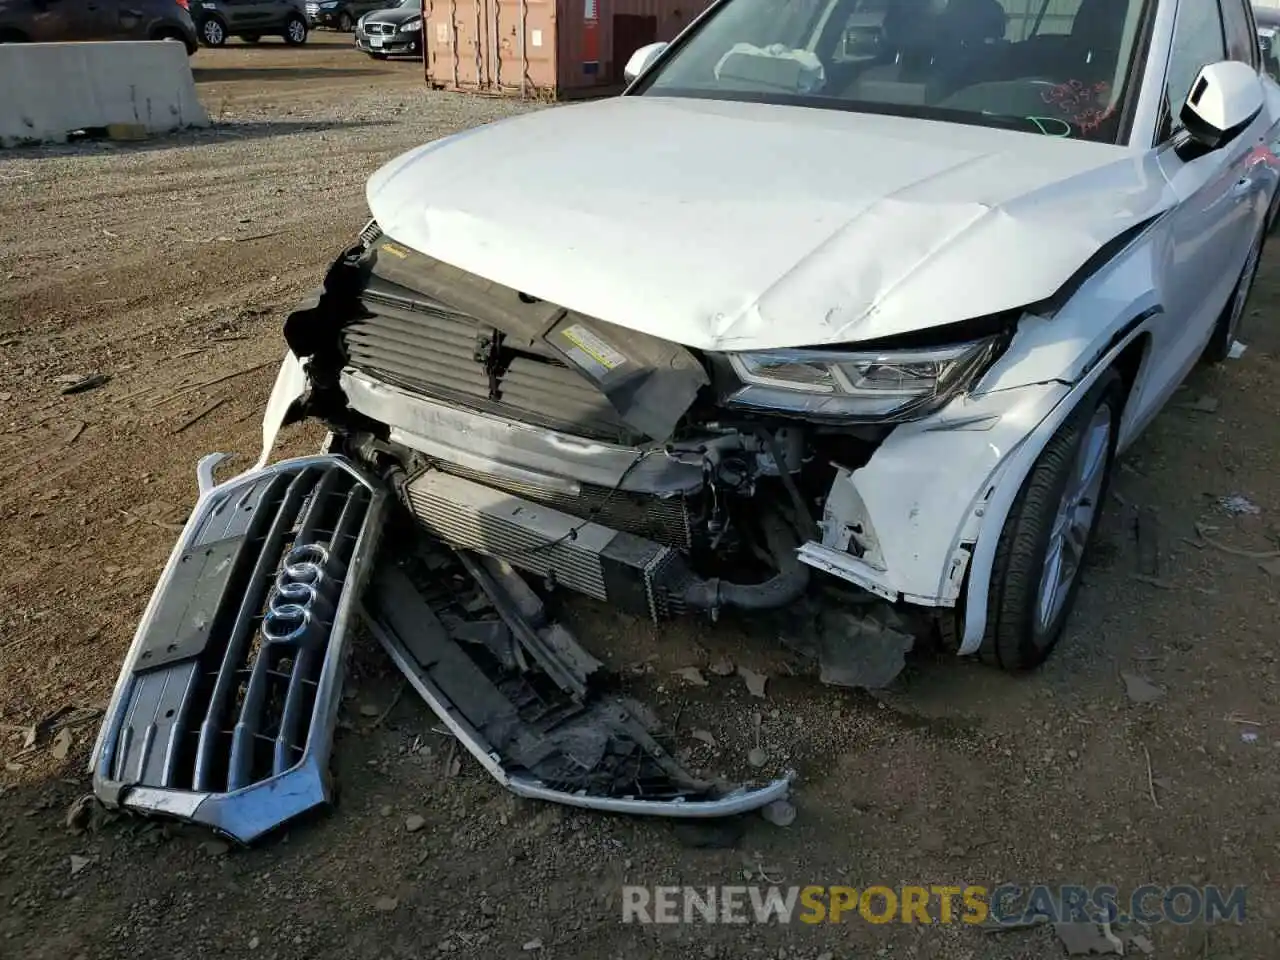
641	60
1224	99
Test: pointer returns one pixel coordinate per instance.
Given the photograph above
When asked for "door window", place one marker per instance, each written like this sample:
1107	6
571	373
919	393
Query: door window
1197	40
1242	40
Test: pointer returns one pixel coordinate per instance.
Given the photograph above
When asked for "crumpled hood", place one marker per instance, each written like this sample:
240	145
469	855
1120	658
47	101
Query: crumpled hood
737	226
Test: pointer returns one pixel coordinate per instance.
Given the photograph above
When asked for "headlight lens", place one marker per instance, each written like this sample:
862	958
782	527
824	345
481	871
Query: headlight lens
851	385
413	26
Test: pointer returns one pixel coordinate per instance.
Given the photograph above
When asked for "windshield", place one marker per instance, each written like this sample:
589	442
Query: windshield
1057	67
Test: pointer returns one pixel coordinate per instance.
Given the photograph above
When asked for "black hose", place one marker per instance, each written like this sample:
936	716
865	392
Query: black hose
786	586
784	472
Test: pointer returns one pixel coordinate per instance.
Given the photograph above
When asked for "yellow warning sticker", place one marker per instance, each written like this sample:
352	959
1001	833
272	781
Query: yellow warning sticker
594	347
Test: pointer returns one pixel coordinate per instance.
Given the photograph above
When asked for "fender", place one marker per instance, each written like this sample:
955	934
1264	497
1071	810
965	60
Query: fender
1012	478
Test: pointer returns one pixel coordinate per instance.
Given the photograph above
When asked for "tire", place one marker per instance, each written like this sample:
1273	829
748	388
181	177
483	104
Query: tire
295	31
1227	329
250	38
345	23
213	32
1023	625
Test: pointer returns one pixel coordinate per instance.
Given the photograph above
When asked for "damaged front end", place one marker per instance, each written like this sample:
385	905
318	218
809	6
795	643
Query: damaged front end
626	467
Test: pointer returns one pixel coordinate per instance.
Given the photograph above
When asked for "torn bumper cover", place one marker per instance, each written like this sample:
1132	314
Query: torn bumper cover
520	695
224	710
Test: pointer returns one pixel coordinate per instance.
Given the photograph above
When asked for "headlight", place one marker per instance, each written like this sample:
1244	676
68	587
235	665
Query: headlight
851	385
413	26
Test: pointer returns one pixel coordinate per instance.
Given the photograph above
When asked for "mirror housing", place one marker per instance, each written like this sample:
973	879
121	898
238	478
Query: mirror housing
641	60
1224	99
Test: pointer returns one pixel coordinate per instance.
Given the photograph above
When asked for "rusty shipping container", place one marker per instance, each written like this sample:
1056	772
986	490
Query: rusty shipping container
543	48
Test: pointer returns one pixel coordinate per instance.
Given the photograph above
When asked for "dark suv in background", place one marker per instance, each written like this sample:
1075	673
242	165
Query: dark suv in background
250	20
341	14
61	21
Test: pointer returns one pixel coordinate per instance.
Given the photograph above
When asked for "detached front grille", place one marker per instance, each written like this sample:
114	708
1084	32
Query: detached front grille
231	685
429	348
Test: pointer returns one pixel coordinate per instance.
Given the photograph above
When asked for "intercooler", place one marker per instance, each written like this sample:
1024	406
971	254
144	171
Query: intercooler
634	574
665	519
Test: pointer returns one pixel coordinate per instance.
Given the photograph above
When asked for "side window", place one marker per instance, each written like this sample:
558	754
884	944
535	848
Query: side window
1242	40
1197	40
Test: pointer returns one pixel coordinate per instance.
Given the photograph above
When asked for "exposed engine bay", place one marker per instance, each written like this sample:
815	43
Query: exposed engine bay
597	458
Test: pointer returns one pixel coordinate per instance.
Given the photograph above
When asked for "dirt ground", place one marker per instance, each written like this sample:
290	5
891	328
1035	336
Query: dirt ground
168	267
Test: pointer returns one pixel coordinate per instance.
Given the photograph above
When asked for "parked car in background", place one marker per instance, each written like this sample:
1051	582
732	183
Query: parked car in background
394	31
340	14
250	20
59	21
1267	20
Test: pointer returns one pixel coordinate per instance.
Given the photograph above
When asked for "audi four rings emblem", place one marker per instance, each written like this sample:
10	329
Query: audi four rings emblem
301	606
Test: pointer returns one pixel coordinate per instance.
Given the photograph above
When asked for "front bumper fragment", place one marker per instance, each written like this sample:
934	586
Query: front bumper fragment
224	710
539	724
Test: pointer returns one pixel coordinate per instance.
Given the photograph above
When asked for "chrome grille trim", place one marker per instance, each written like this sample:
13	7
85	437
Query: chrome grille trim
208	722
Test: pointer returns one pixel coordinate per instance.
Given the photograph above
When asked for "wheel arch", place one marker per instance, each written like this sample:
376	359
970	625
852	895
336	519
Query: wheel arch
1125	352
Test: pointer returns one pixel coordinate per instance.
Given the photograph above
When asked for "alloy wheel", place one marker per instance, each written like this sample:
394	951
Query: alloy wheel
213	32
1074	519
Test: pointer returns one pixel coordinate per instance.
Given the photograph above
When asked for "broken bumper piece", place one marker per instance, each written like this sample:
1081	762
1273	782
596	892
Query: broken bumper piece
225	708
523	698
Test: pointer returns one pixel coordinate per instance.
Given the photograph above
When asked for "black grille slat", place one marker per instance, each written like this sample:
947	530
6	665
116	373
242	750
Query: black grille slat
225	712
291	716
255	719
246	623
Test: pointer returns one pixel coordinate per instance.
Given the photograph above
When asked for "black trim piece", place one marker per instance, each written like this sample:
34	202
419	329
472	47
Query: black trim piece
1120	336
1206	134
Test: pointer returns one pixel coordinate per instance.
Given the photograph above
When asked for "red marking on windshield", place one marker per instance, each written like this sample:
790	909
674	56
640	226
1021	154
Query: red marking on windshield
1086	105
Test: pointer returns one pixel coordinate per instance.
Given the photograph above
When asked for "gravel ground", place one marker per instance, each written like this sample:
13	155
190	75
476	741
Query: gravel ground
169	265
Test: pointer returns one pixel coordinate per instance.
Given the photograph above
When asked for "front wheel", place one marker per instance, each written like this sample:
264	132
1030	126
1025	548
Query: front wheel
345	23
295	31
1046	537
213	33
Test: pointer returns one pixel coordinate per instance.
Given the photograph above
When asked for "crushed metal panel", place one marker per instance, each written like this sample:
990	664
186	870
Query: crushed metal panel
225	707
550	742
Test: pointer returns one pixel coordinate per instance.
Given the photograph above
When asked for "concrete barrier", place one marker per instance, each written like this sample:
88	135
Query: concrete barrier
50	90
